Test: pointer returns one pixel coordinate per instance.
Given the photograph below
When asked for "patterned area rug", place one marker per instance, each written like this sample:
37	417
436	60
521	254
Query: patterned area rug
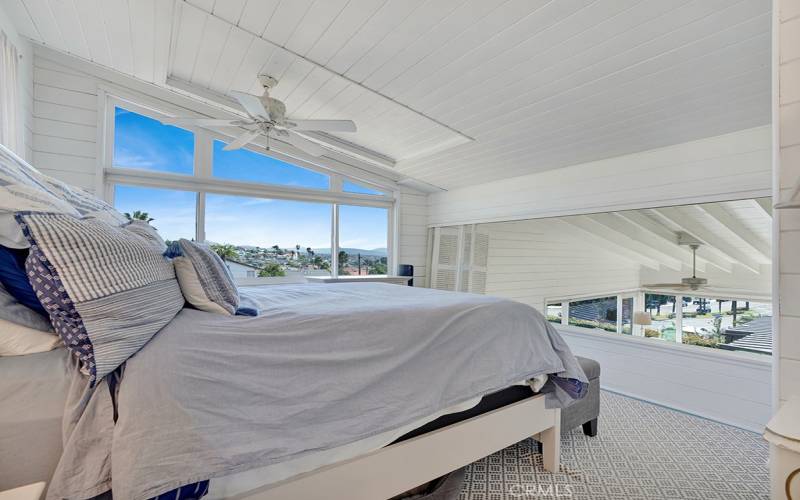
641	451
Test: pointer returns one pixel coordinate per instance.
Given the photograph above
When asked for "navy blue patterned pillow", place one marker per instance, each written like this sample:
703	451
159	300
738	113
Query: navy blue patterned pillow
15	280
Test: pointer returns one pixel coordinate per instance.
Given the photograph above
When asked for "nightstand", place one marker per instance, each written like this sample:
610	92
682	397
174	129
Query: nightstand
30	492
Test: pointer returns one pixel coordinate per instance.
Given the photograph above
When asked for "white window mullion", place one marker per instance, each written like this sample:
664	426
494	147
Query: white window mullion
334	240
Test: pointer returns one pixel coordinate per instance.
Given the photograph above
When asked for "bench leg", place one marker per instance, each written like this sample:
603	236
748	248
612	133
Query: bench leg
590	428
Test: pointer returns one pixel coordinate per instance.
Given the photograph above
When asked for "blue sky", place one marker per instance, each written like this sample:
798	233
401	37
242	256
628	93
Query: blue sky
144	143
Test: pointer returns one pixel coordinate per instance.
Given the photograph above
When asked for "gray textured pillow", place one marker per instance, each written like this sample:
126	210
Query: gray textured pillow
149	233
214	275
22	187
11	310
106	289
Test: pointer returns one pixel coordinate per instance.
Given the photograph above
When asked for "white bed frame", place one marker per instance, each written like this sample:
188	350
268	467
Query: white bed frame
391	470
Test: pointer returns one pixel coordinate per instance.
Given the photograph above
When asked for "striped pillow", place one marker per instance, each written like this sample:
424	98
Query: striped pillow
214	275
107	290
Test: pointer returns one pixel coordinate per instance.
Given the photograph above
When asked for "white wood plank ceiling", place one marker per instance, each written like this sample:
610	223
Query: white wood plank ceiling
538	84
735	235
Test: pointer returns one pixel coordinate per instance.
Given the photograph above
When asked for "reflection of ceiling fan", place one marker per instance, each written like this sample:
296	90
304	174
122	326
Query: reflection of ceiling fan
693	283
268	115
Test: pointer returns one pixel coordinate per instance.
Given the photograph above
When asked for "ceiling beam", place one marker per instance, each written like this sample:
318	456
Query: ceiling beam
666	235
688	224
637	239
740	231
765	204
598	236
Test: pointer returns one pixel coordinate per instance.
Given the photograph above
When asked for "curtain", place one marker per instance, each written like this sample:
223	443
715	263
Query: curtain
10	133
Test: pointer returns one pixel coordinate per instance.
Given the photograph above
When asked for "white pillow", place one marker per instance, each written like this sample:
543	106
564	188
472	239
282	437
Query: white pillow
17	340
192	288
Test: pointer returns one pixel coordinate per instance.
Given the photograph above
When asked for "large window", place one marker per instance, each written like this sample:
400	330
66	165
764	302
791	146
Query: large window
249	166
172	212
270	238
363	233
720	323
143	143
600	313
279	221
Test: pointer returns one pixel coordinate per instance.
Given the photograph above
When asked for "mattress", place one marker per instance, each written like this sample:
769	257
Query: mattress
33	389
254	479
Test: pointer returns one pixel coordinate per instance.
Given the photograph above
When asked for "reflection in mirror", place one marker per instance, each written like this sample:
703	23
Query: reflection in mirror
697	274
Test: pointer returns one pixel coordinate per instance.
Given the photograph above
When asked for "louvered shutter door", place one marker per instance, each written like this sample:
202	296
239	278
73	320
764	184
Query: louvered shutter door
480	260
444	265
459	258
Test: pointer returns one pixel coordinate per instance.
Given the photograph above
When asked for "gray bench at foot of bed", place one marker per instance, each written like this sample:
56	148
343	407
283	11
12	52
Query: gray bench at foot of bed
584	412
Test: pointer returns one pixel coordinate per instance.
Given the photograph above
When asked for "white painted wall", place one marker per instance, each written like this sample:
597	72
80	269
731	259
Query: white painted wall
532	260
24	49
413	232
723	386
787	172
726	167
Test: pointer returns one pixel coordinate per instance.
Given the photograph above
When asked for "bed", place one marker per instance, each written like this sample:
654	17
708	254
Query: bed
331	387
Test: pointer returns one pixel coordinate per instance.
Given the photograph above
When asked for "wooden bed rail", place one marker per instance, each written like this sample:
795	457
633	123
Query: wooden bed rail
391	470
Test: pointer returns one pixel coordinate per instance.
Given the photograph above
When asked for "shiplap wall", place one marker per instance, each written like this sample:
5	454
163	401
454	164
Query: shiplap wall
65	123
413	233
730	166
25	93
721	386
788	221
534	260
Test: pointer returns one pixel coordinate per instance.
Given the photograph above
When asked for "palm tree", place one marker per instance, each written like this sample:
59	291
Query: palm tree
225	252
139	215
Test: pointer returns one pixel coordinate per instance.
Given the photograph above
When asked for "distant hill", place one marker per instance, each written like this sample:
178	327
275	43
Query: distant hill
378	252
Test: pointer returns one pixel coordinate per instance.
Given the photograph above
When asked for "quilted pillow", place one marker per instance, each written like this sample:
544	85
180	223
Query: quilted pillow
106	289
213	274
22	188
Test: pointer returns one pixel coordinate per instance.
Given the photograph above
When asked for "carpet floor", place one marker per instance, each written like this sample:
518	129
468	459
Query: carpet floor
642	451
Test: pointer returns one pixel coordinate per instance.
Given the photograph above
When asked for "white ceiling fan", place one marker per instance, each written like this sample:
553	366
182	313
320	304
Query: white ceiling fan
266	116
693	282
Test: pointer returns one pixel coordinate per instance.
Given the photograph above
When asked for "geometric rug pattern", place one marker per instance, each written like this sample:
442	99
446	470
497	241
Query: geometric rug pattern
641	451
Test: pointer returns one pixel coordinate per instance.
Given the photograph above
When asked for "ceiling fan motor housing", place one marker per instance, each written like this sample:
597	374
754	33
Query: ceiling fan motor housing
694	283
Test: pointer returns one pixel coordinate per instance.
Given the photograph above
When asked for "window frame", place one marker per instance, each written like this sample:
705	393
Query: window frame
637	332
202	182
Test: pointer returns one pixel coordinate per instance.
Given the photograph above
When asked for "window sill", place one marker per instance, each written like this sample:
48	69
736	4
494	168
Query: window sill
704	353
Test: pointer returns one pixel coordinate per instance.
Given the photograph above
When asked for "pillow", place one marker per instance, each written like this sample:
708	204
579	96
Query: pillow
18	340
106	289
13	311
148	233
86	204
22	188
14	279
192	289
213	274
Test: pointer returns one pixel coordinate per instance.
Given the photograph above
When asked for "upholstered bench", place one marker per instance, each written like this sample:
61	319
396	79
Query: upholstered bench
585	411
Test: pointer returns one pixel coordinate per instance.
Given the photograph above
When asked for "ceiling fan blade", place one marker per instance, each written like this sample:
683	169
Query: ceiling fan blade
252	104
323	125
202	122
304	144
242	140
680	286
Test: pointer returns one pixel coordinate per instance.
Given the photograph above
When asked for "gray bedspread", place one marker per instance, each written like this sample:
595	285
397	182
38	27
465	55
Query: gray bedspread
322	366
